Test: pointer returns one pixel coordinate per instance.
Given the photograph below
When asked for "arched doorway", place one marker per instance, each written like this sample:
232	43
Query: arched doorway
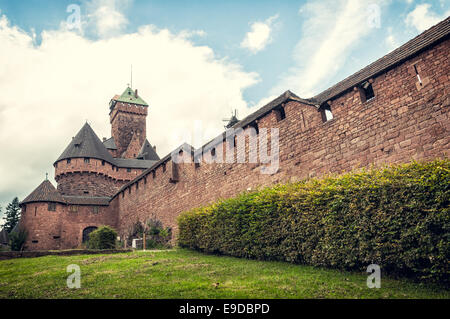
87	231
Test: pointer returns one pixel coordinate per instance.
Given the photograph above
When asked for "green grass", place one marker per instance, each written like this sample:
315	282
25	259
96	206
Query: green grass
181	273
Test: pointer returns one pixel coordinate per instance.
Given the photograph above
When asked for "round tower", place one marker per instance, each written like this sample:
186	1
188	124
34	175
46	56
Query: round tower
41	217
86	168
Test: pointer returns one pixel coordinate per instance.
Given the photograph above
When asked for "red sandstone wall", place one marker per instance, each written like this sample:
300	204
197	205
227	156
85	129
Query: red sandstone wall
401	123
77	177
61	229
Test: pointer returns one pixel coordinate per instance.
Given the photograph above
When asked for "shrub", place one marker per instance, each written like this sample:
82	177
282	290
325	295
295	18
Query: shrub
396	217
17	239
102	238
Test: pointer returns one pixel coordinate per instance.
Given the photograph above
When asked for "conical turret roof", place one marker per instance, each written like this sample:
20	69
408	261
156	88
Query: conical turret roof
45	192
86	144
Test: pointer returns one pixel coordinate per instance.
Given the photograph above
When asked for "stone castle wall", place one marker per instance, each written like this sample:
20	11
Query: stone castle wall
405	120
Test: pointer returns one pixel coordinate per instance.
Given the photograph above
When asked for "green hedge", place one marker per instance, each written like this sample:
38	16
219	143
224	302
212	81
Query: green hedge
396	217
102	238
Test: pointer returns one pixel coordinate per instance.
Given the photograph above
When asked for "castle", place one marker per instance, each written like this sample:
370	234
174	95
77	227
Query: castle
392	111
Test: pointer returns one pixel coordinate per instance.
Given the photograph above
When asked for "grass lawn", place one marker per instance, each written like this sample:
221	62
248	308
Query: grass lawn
182	273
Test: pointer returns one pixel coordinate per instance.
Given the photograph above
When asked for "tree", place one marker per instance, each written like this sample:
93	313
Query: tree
12	215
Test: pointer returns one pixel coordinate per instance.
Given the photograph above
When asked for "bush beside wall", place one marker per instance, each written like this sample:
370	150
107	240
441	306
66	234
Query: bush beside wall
396	217
102	238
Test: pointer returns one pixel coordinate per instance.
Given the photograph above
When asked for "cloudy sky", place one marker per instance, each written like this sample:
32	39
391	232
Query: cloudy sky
193	61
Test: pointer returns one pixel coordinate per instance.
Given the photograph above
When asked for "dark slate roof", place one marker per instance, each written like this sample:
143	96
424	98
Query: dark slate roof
427	38
86	200
147	152
45	192
86	144
133	163
110	144
4	238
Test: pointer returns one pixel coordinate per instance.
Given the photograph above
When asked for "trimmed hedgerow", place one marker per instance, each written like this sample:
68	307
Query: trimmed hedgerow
396	217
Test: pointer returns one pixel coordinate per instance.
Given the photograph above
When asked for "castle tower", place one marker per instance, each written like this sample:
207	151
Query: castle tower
85	168
41	217
127	115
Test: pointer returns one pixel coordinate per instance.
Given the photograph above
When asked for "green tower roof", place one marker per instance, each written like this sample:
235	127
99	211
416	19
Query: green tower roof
129	96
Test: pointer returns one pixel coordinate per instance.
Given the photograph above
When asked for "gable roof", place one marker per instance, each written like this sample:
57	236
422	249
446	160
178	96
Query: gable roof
110	144
437	33
147	152
86	144
130	96
45	192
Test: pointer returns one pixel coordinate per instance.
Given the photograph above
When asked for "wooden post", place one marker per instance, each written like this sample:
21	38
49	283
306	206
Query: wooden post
143	241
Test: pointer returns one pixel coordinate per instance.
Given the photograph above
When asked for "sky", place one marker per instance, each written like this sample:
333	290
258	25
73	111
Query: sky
61	61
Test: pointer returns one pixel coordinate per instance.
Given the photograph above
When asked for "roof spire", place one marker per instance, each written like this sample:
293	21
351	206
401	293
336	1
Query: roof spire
46	176
131	77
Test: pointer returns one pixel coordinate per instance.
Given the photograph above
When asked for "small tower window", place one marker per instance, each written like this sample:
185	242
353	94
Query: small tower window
86	160
68	161
128	170
51	207
327	115
103	163
213	152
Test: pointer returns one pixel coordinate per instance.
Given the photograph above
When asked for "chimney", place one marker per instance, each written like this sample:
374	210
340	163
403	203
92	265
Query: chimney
135	93
104	139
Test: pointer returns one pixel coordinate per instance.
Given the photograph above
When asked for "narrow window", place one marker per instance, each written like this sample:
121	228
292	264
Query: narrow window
51	207
86	192
137	185
213	152
86	160
24	208
326	113
280	114
35	241
117	169
255	126
128	170
164	167
123	194
129	190
56	237
68	161
103	163
153	174
56	165
417	74
366	92
145	180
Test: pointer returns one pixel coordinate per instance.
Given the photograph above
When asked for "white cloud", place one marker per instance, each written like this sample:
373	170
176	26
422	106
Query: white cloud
51	89
260	35
390	40
330	30
423	18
